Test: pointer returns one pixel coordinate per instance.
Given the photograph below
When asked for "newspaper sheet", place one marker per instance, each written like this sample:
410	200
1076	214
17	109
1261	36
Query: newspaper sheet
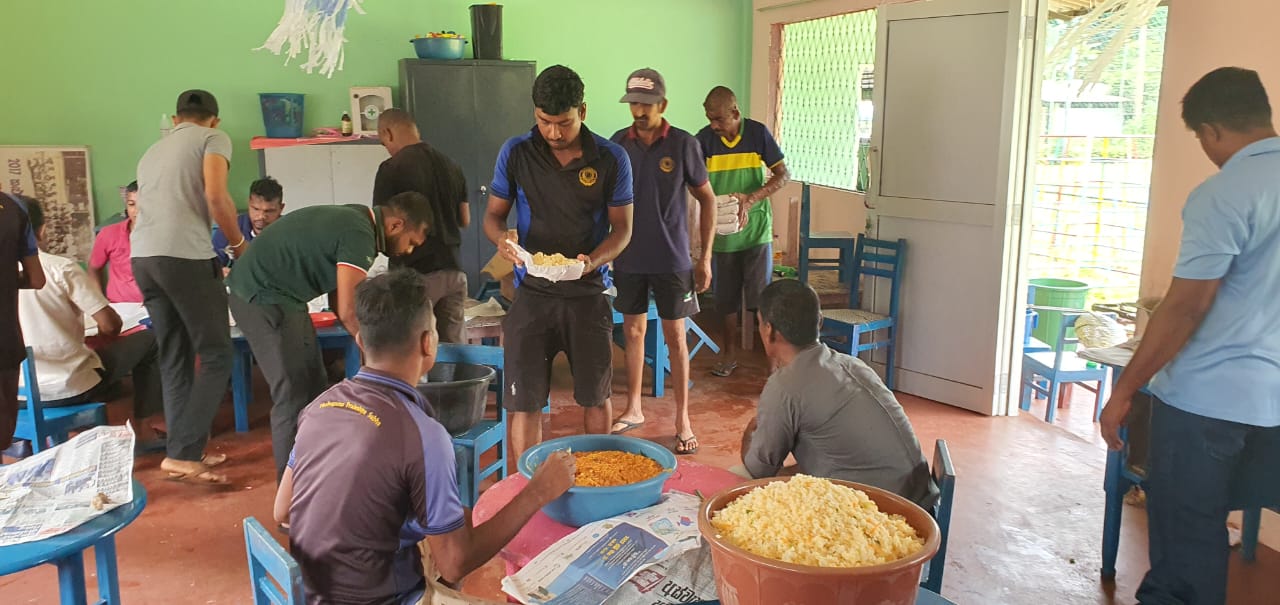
588	566
60	488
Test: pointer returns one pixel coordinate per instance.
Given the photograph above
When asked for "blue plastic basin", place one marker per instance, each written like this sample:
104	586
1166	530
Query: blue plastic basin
582	505
448	49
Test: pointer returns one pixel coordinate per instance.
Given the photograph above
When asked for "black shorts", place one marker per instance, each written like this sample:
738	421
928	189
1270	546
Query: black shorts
672	292
741	277
536	328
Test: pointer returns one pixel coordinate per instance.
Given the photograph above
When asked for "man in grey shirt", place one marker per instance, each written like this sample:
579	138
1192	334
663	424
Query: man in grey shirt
830	410
182	184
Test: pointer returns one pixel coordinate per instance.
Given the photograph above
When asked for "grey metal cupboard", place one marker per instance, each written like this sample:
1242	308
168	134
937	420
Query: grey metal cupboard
468	109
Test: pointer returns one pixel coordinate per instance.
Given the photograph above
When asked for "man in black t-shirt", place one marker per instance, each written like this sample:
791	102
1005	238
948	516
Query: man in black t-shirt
416	166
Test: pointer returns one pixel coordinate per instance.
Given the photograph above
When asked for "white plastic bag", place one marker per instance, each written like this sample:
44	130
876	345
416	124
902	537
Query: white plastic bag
567	272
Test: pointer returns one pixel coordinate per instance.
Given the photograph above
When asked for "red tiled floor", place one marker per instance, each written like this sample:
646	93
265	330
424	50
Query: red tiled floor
1026	527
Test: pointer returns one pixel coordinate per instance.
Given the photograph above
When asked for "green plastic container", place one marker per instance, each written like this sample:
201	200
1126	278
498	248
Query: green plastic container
1054	292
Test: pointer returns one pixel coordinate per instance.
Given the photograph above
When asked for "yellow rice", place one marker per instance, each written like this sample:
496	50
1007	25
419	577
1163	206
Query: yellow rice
812	521
553	260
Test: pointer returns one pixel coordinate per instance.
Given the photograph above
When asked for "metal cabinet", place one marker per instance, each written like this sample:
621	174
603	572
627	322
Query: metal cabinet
467	110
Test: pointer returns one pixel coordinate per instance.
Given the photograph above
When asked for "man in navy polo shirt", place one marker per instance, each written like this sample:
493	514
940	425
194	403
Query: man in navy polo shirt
666	162
571	190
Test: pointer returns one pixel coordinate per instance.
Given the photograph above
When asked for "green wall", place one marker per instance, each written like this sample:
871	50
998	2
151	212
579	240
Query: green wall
101	73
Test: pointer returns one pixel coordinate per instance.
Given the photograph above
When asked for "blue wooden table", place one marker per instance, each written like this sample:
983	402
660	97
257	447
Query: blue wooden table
330	337
67	552
1120	478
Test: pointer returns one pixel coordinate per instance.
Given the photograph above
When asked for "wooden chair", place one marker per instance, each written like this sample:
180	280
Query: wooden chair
842	329
944	474
47	427
273	573
842	241
1060	367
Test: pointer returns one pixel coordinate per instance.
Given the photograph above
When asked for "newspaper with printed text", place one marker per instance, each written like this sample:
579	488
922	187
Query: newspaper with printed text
60	488
658	545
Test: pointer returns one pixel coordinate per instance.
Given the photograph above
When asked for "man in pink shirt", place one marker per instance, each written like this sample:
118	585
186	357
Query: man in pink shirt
111	247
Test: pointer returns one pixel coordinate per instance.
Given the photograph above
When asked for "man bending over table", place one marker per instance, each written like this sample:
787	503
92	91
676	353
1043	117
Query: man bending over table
830	410
371	490
310	252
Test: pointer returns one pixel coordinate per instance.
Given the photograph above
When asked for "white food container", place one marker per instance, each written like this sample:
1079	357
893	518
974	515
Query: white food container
727	208
568	272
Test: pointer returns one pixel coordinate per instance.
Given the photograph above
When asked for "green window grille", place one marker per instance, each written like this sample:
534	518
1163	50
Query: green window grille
824	98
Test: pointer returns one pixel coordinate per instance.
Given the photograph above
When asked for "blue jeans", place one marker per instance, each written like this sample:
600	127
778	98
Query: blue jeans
1200	469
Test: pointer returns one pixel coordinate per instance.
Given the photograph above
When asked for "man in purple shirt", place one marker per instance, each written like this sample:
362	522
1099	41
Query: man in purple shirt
666	162
371	489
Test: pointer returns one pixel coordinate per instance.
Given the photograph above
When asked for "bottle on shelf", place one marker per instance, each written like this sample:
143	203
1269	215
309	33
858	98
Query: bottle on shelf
346	125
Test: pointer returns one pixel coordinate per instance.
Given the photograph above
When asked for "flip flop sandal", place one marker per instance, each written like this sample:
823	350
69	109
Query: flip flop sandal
199	477
626	426
682	445
212	460
196	476
724	370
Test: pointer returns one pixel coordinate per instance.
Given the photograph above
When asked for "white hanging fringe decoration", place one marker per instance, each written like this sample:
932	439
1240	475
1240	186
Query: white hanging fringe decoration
317	26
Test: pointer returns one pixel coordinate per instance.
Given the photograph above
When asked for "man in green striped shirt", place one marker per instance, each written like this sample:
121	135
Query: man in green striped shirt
739	151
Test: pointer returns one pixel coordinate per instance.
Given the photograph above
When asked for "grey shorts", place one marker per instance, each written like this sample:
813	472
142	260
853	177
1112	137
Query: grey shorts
740	277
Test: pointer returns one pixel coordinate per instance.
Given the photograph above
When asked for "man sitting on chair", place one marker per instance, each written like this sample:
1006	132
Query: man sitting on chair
830	410
71	373
371	484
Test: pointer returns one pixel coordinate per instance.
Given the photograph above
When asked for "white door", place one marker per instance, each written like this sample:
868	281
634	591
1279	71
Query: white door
953	83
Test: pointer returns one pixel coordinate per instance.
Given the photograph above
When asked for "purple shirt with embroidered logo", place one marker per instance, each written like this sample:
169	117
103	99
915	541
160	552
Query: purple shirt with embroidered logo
373	475
662	172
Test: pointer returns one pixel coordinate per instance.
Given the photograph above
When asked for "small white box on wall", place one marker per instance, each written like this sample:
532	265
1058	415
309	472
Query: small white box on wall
367	103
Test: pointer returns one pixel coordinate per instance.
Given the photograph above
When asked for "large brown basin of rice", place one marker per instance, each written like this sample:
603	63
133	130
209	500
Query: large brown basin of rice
812	521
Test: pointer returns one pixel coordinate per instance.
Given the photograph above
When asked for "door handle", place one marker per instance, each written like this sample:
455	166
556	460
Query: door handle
484	191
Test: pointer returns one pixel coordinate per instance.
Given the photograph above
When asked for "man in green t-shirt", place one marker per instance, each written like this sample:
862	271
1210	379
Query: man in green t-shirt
307	253
738	150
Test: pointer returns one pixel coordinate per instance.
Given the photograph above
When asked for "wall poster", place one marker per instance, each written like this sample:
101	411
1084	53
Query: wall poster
59	178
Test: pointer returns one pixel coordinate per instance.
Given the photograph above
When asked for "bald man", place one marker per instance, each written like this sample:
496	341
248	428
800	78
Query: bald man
739	152
416	166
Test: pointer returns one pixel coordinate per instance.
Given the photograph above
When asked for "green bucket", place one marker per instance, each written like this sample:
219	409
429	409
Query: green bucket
1054	292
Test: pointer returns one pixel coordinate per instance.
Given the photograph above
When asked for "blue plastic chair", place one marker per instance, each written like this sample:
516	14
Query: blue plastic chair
842	329
1060	367
485	435
843	241
275	576
47	427
944	474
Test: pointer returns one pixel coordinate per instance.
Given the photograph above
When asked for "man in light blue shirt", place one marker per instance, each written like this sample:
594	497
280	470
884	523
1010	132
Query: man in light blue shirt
1213	348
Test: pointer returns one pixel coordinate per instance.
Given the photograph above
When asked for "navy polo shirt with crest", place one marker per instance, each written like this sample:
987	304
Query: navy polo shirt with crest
663	173
562	209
